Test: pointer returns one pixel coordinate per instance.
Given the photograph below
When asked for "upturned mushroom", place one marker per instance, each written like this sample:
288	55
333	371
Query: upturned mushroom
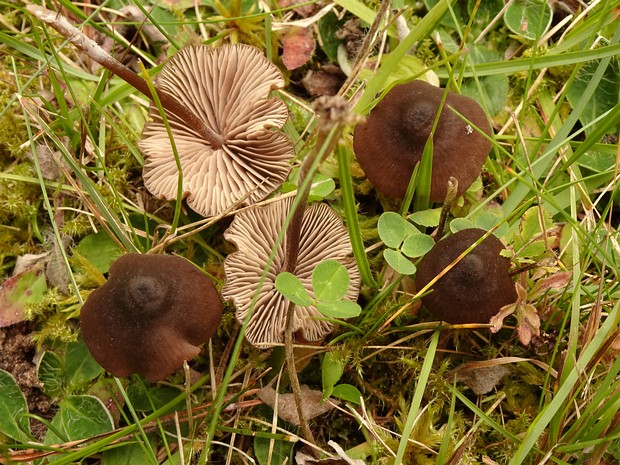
228	88
254	231
476	287
152	314
390	143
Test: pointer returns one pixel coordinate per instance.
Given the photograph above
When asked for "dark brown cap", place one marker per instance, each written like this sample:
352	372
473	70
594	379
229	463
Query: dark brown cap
476	287
391	141
152	314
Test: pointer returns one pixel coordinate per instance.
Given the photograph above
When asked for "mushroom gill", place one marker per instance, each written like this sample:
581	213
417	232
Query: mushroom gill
254	231
228	88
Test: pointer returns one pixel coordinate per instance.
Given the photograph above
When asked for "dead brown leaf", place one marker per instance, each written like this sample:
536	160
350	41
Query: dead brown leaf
313	404
481	377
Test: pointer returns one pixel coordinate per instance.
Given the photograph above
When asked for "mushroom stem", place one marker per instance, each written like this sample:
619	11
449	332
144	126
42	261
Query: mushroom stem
334	114
292	374
96	53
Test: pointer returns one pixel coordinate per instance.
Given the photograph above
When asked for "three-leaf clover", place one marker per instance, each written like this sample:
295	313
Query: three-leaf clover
404	241
330	283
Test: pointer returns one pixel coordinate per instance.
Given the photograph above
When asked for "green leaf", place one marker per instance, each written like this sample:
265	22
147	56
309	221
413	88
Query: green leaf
147	398
528	18
487	220
494	92
428	218
458	224
417	245
79	417
322	186
329	25
330	280
280	451
394	229
487	10
13	406
348	393
127	454
339	308
605	94
50	373
529	241
80	366
398	261
425	174
331	372
99	249
291	287
408	67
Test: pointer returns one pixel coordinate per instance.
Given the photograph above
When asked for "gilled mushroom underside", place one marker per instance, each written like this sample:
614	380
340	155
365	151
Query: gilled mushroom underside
228	88
254	232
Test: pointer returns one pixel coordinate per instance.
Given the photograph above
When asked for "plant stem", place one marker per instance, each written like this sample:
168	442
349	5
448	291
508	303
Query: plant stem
96	53
334	114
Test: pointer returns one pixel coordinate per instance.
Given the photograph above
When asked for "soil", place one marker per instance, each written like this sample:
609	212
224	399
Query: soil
17	356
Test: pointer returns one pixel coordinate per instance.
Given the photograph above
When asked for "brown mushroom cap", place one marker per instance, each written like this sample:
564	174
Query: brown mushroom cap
476	287
151	315
391	141
254	232
228	87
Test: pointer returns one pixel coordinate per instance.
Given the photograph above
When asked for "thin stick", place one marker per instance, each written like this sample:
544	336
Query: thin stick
334	114
96	53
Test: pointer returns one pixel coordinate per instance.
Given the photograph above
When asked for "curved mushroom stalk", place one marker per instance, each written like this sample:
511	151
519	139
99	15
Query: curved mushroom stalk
391	141
228	88
152	314
476	287
254	232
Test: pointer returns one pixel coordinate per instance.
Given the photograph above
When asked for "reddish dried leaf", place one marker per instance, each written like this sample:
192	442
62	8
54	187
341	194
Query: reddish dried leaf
18	291
555	281
298	46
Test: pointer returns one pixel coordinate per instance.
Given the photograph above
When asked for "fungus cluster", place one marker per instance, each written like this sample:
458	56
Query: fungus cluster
152	314
228	89
476	287
391	141
254	232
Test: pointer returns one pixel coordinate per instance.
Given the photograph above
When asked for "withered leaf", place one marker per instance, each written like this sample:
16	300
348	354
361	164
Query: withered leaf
313	404
298	46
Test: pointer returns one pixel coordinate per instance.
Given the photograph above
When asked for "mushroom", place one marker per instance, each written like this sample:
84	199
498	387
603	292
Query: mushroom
476	287
228	88
391	141
254	231
151	315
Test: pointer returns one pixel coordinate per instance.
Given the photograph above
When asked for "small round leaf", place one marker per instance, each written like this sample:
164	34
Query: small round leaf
418	245
348	393
394	229
398	261
428	218
339	308
528	18
291	287
330	280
